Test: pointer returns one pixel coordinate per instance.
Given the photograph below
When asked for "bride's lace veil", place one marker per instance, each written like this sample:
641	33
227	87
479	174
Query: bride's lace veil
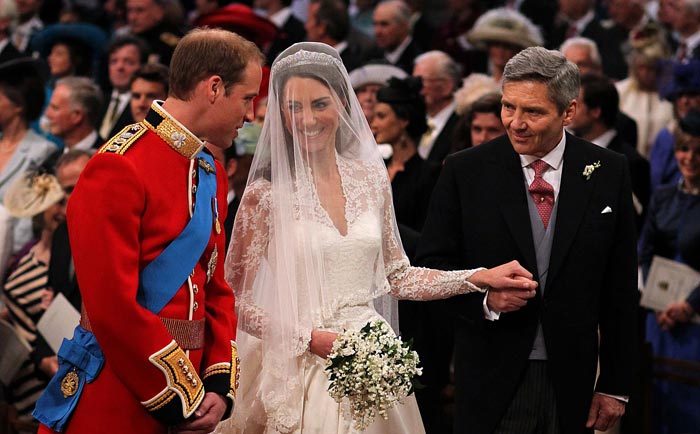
316	171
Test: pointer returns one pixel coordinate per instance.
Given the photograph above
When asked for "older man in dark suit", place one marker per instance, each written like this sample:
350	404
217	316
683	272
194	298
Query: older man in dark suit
563	208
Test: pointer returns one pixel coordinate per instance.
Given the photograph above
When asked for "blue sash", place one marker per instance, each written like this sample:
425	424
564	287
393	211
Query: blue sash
81	359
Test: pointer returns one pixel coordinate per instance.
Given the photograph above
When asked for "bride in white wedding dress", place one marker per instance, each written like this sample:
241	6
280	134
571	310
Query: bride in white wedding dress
315	250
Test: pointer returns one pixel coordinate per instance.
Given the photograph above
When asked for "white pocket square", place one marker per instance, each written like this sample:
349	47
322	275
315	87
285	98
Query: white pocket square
606	210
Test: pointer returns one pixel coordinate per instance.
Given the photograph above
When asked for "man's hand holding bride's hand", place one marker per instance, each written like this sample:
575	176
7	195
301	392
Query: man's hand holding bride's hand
322	342
510	286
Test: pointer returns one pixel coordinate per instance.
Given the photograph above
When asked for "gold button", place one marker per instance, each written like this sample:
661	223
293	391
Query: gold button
195	288
194	189
195	306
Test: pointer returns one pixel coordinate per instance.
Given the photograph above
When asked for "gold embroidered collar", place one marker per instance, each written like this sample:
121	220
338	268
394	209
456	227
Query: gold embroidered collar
172	132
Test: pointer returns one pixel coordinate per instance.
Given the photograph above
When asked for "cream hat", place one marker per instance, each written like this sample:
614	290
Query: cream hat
32	194
376	73
505	26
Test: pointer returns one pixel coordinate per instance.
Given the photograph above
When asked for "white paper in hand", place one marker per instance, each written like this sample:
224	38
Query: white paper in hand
58	322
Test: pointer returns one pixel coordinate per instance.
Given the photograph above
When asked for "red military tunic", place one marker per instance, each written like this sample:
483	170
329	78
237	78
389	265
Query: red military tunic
133	198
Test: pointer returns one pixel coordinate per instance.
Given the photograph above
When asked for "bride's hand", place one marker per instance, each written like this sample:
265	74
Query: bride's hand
510	275
322	342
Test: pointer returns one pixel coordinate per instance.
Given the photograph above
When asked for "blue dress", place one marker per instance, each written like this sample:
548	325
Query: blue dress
672	230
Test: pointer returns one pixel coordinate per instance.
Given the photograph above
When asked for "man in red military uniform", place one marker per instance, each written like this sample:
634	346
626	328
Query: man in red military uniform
155	351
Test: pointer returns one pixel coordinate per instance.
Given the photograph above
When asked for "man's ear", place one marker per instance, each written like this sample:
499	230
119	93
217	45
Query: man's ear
570	112
215	88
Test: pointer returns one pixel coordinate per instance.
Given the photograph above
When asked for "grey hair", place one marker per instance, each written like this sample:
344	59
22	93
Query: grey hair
545	66
445	64
86	95
580	41
8	9
401	11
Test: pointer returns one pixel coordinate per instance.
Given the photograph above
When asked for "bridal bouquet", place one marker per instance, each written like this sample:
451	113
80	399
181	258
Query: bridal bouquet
373	369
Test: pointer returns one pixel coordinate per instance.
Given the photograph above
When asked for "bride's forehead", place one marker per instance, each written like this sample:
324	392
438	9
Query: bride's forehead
300	87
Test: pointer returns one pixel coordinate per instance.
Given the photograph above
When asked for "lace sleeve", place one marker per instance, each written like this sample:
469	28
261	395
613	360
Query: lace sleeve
416	283
246	258
249	242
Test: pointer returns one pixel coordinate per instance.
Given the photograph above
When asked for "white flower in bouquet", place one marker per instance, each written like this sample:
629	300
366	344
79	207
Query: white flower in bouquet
373	369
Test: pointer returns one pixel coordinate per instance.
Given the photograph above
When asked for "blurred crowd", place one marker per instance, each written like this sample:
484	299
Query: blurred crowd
74	73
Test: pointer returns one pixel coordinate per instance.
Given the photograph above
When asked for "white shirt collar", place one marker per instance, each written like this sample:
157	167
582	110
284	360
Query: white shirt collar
85	144
340	46
393	56
604	139
440	119
281	16
582	22
692	41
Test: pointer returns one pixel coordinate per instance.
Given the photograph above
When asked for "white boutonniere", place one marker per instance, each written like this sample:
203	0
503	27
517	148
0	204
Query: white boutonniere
178	139
588	170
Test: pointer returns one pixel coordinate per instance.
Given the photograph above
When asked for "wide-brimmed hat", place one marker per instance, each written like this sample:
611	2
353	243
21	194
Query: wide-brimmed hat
243	20
87	38
376	73
504	26
32	193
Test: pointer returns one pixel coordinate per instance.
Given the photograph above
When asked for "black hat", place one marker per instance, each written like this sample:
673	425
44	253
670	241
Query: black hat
690	124
403	95
23	83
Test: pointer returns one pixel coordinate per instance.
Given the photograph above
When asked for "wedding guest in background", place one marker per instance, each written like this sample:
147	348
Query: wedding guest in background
328	22
681	86
399	120
149	83
8	20
25	291
685	21
639	93
441	77
368	79
594	121
150	21
21	149
584	53
577	18
672	231
291	29
29	23
481	123
392	33
530	365
502	33
125	55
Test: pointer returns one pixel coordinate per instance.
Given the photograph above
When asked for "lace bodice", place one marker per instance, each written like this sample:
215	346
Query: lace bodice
349	261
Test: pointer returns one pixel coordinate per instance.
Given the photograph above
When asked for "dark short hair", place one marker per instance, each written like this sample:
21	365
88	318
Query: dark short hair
153	72
124	40
600	92
489	103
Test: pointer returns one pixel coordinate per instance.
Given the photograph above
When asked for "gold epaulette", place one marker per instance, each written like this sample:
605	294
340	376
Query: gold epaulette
121	142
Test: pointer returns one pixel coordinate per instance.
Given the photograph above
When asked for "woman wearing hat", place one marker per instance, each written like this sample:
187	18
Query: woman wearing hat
503	33
21	149
26	293
639	94
672	230
680	84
